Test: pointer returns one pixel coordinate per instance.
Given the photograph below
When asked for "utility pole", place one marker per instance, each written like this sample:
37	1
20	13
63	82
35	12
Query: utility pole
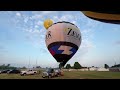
114	61
36	62
29	63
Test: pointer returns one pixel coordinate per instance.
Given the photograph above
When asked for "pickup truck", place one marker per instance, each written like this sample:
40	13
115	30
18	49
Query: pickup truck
28	72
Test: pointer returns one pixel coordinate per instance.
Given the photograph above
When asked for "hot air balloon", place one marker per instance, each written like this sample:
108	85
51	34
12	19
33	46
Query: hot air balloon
63	39
47	23
112	17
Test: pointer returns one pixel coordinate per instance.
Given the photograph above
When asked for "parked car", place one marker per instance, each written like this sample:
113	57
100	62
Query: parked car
58	72
0	72
49	73
15	71
4	71
28	72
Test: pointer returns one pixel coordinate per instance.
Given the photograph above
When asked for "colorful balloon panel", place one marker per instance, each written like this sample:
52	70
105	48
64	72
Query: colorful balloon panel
63	40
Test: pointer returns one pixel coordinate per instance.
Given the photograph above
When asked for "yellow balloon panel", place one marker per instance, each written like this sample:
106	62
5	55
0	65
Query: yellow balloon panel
48	23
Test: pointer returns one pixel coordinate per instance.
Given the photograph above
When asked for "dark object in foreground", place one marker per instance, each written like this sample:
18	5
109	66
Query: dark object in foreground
112	17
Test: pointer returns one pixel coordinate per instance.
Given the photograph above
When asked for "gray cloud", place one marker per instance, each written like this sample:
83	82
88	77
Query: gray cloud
3	51
1	47
117	43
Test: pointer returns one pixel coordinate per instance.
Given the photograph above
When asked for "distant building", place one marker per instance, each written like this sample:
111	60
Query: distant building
102	69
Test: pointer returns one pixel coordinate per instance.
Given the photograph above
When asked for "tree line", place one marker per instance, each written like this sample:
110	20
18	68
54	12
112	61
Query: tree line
3	67
8	66
78	66
68	66
116	65
75	66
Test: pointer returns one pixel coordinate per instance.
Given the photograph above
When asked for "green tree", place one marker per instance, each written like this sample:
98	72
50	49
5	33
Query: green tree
77	65
106	66
8	65
68	66
3	67
38	67
24	67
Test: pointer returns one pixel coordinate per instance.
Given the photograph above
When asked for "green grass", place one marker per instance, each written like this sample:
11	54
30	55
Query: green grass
69	75
18	76
90	75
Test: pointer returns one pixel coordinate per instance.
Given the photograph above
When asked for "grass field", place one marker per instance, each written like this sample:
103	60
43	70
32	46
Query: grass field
69	75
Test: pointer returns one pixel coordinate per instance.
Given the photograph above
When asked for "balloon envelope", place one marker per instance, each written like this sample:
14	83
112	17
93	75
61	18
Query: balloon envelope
104	16
63	40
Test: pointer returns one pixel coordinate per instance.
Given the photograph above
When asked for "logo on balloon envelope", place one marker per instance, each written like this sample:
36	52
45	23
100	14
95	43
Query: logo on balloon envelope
73	51
56	50
62	51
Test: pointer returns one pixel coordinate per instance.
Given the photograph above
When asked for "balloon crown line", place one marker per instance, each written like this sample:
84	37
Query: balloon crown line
63	22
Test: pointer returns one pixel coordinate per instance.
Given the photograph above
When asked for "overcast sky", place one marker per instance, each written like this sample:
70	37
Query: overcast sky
22	39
